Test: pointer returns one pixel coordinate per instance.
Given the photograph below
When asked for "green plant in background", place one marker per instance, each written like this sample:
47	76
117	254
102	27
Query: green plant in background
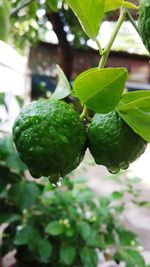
65	226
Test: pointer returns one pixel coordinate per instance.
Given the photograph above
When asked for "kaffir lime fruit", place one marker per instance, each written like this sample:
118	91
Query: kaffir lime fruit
50	138
113	143
144	22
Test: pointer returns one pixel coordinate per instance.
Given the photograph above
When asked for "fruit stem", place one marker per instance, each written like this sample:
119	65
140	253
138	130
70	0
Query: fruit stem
112	39
130	18
84	114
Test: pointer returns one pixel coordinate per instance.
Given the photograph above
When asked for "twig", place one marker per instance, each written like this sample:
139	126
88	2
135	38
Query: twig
112	39
19	7
130	18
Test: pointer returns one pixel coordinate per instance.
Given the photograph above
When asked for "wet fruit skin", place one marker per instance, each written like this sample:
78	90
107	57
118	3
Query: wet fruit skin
144	22
113	143
50	138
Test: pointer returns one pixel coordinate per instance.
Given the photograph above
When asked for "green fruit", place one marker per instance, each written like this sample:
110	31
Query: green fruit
144	22
50	138
112	142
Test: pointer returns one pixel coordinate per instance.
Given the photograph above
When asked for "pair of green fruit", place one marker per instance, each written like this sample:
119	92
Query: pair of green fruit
52	140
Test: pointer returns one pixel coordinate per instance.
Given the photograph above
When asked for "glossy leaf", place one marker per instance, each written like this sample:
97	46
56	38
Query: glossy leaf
20	192
131	257
22	236
54	228
127	4
53	5
134	108
116	195
44	249
67	254
9	218
112	5
63	88
85	230
127	238
89	257
90	15
100	89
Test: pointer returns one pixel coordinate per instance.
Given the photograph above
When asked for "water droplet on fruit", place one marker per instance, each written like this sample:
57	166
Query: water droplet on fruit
124	165
113	170
54	179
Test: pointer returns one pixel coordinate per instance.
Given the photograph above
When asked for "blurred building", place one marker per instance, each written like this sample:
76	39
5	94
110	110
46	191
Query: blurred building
44	57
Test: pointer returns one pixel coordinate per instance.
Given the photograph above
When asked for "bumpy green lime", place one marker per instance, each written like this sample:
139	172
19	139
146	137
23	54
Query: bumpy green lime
50	138
113	143
144	22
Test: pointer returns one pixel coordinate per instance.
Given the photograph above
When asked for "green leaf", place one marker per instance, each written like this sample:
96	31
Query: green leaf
67	254
90	15
9	157
9	218
45	250
112	5
85	230
52	4
129	5
127	238
63	88
29	236
117	195
134	108
22	236
100	89
54	228
70	232
24	194
4	19
143	203
131	257
89	257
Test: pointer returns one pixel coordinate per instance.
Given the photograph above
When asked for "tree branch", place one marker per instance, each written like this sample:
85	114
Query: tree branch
19	7
66	49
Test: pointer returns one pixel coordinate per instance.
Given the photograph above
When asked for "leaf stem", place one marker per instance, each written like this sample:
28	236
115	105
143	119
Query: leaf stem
112	39
130	18
99	46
